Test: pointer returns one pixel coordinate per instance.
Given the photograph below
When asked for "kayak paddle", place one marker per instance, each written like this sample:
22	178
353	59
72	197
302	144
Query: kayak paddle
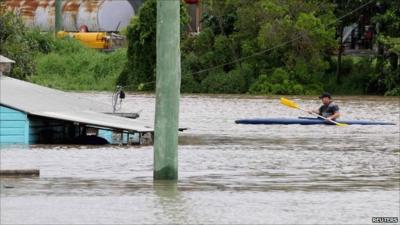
292	104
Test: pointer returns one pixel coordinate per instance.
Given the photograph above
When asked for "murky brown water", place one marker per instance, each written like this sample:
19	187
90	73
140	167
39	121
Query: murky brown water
228	173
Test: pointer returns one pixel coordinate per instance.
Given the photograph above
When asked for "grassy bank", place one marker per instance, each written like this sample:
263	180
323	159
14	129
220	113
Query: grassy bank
71	66
60	63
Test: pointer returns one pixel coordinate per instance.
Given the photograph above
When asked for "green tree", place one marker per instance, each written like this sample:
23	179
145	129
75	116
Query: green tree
233	30
141	53
245	44
140	71
14	45
22	44
387	20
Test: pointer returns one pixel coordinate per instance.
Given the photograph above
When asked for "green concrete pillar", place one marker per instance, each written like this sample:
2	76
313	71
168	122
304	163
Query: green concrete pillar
167	90
58	16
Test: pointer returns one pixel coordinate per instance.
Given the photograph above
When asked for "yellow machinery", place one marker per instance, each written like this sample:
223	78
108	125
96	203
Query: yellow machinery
97	40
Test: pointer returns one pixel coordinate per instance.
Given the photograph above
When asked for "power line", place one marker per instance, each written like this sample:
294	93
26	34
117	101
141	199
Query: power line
247	57
277	46
269	49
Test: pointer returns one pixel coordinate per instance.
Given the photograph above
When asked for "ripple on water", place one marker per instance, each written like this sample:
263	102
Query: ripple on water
228	173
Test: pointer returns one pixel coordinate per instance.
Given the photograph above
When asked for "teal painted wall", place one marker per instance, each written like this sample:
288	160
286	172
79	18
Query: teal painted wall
17	127
14	126
115	137
106	134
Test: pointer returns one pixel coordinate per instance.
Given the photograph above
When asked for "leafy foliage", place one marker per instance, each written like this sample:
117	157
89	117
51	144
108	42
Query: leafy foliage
388	21
14	44
140	71
255	46
263	47
229	32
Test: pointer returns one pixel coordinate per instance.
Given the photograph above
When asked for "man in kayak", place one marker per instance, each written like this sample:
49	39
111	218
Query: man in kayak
329	109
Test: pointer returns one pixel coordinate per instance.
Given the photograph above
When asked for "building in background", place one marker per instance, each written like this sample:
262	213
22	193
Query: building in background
97	15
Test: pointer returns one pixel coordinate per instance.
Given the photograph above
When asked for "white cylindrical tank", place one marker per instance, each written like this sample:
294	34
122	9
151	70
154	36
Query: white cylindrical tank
120	11
97	15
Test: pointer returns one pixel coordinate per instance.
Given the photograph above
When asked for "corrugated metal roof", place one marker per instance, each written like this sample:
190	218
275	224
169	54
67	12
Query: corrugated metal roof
42	101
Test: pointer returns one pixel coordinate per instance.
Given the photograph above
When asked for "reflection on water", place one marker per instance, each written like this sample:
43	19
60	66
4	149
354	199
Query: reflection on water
228	173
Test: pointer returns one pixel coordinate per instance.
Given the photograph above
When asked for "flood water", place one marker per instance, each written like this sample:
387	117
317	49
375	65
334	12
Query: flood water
228	173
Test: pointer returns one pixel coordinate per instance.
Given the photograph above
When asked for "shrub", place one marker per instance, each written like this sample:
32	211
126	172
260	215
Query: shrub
261	86
40	41
277	83
15	45
189	84
279	76
393	92
141	32
221	82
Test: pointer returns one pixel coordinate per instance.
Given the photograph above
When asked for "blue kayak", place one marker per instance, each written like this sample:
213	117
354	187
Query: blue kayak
307	121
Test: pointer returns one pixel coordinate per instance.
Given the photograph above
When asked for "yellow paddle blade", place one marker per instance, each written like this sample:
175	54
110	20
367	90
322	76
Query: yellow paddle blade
342	124
289	103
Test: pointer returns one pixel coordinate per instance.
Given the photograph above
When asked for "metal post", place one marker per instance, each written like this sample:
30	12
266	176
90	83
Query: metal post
339	59
167	90
58	15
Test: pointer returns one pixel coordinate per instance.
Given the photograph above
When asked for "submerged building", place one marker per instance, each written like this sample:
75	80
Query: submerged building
33	114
